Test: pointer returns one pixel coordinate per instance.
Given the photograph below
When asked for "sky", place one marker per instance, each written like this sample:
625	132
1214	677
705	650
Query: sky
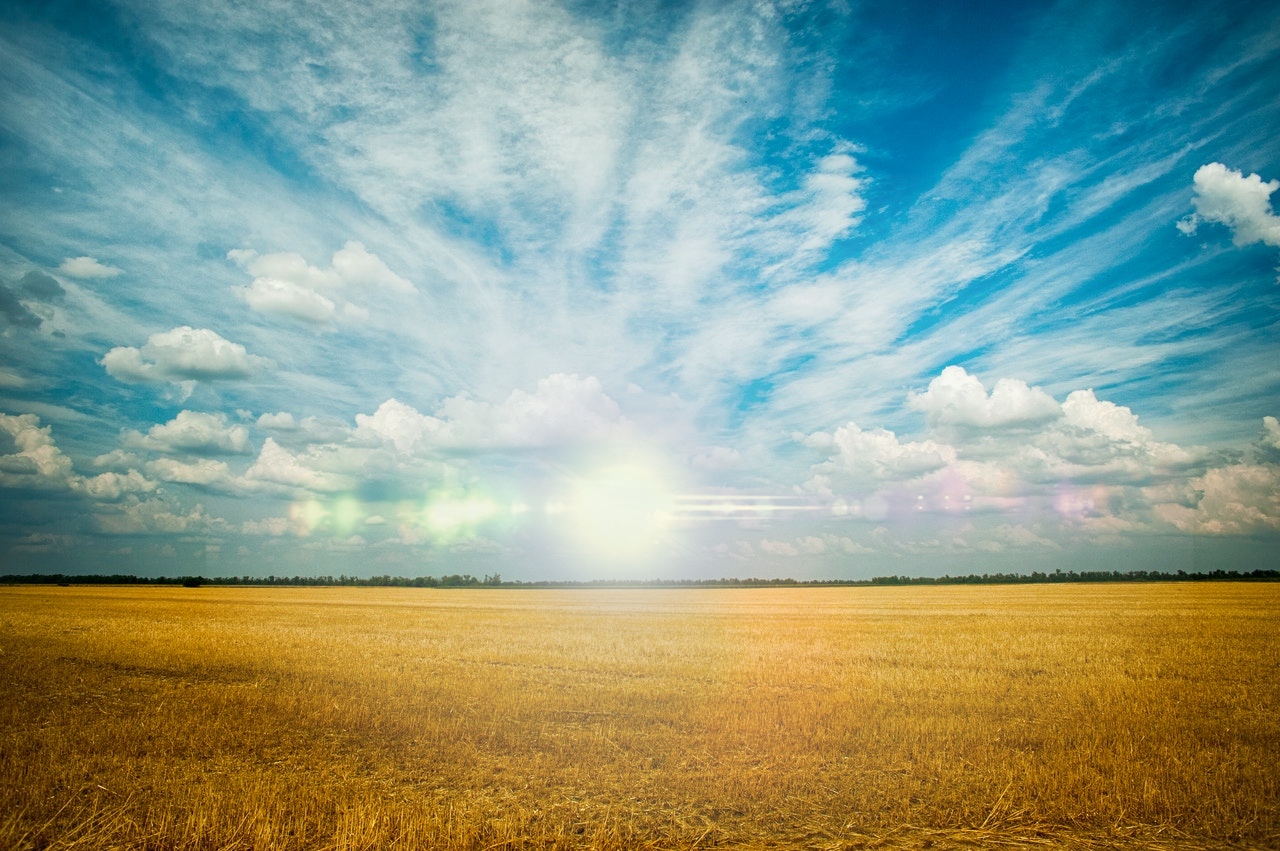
631	290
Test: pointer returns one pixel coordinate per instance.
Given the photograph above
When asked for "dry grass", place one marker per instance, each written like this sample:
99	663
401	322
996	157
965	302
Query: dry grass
1143	716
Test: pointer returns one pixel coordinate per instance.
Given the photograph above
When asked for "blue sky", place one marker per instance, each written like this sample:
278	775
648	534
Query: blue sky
639	290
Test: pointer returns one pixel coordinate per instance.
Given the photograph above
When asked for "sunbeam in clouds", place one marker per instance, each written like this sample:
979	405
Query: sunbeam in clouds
575	290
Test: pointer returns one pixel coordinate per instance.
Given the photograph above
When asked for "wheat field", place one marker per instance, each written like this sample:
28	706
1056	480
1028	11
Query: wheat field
1079	716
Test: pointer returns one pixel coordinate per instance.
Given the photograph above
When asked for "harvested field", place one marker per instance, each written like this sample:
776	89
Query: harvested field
1081	716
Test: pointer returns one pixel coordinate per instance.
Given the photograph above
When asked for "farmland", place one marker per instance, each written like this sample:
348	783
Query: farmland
1082	716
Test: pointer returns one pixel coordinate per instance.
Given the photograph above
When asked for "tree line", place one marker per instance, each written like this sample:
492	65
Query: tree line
466	580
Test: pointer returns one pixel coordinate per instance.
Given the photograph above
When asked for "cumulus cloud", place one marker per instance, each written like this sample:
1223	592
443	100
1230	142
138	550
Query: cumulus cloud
87	267
204	472
1087	462
268	526
283	298
1099	440
1233	500
859	457
38	462
112	485
285	284
1225	196
1268	446
276	465
829	544
778	548
563	408
183	354
956	398
356	265
196	432
399	424
282	421
136	516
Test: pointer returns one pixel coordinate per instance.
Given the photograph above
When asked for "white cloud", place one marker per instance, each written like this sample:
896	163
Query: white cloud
282	421
154	517
1234	500
111	485
276	465
196	432
562	409
183	354
271	526
1100	441
284	298
284	284
1225	196
357	265
834	202
202	471
859	457
1269	443
87	267
399	424
117	459
956	398
286	266
38	463
778	548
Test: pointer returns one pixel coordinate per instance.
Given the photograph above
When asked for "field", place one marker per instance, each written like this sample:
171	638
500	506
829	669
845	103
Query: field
1080	716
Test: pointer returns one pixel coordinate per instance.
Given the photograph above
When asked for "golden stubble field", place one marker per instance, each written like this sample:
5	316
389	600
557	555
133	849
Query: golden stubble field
1080	716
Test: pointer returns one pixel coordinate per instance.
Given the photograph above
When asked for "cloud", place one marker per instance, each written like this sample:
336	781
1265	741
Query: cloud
562	409
87	267
282	421
284	284
1099	440
356	265
1267	448
34	288
1225	196
38	462
40	286
778	548
15	312
860	457
183	354
283	298
160	516
276	465
956	398
193	431
269	526
1233	500
833	201
112	485
204	472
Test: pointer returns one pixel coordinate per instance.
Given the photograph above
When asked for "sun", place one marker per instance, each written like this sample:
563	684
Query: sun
620	511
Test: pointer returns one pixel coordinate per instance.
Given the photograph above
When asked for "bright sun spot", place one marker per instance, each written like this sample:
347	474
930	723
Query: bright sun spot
619	511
